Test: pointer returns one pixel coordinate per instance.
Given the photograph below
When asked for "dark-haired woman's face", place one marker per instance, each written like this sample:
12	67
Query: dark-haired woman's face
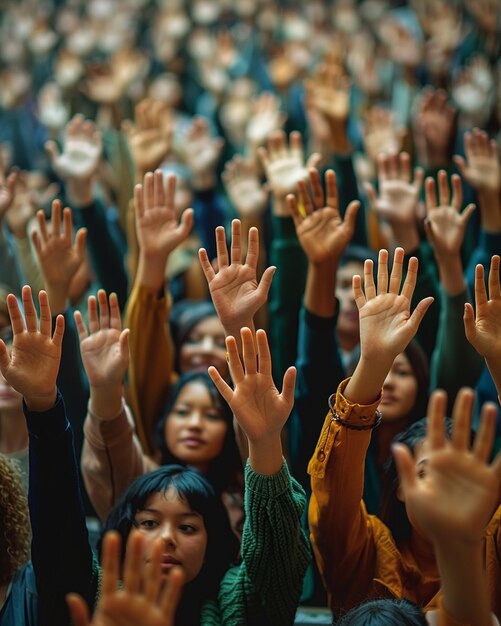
204	346
169	517
195	429
399	390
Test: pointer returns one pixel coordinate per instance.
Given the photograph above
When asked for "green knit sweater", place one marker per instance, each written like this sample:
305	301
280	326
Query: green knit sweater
266	586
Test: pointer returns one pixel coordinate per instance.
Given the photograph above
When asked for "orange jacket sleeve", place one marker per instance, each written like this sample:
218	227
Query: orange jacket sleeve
151	359
341	530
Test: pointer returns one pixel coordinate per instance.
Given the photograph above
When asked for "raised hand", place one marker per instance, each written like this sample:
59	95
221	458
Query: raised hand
433	128
285	166
259	408
386	323
105	347
158	228
7	190
452	496
234	288
58	255
25	203
32	365
398	192
244	188
481	168
444	225
82	149
150	136
144	598
381	133
201	153
266	117
321	231
483	326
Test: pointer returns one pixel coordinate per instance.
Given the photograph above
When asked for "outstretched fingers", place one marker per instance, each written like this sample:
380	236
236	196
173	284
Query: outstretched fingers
484	439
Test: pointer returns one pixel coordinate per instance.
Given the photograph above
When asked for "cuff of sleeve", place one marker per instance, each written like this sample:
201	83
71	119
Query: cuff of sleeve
47	423
267	486
352	411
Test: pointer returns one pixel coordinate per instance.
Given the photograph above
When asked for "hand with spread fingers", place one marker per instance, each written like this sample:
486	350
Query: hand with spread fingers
59	256
149	136
234	288
104	347
398	197
386	323
244	188
32	364
79	160
483	325
322	232
284	166
147	599
454	493
259	408
481	167
445	225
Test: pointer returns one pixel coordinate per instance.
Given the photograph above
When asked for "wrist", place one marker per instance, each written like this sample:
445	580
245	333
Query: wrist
406	236
106	400
202	181
151	269
79	193
450	269
58	298
490	210
266	455
41	402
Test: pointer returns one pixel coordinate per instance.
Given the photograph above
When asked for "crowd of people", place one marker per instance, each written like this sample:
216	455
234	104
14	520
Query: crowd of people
250	312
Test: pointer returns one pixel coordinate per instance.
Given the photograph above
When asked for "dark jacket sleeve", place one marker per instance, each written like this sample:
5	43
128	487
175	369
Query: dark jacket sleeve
61	555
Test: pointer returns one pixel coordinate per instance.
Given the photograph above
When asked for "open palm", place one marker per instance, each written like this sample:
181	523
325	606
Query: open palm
104	350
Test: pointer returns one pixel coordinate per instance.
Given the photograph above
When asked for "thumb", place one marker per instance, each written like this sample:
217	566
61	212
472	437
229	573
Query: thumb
265	283
313	160
460	163
4	357
469	321
288	385
350	215
52	150
124	342
405	466
419	312
78	609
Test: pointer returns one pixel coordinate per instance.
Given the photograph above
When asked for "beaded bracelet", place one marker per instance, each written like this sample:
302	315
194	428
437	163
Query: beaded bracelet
337	418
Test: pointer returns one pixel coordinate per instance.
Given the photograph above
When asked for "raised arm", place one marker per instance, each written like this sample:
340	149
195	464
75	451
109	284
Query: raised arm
275	552
452	498
61	555
454	363
112	456
483	327
235	290
341	532
323	236
159	232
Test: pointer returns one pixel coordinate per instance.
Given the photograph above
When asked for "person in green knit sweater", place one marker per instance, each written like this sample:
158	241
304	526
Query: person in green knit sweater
174	503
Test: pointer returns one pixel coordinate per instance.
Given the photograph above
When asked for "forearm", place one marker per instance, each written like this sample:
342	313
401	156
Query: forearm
364	387
341	536
464	585
275	551
106	400
151	270
450	269
494	365
29	266
59	548
490	210
111	458
266	456
319	296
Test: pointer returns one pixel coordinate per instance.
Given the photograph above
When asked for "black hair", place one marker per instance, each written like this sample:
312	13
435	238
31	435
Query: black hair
420	368
383	612
222	544
393	512
358	254
185	315
225	471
